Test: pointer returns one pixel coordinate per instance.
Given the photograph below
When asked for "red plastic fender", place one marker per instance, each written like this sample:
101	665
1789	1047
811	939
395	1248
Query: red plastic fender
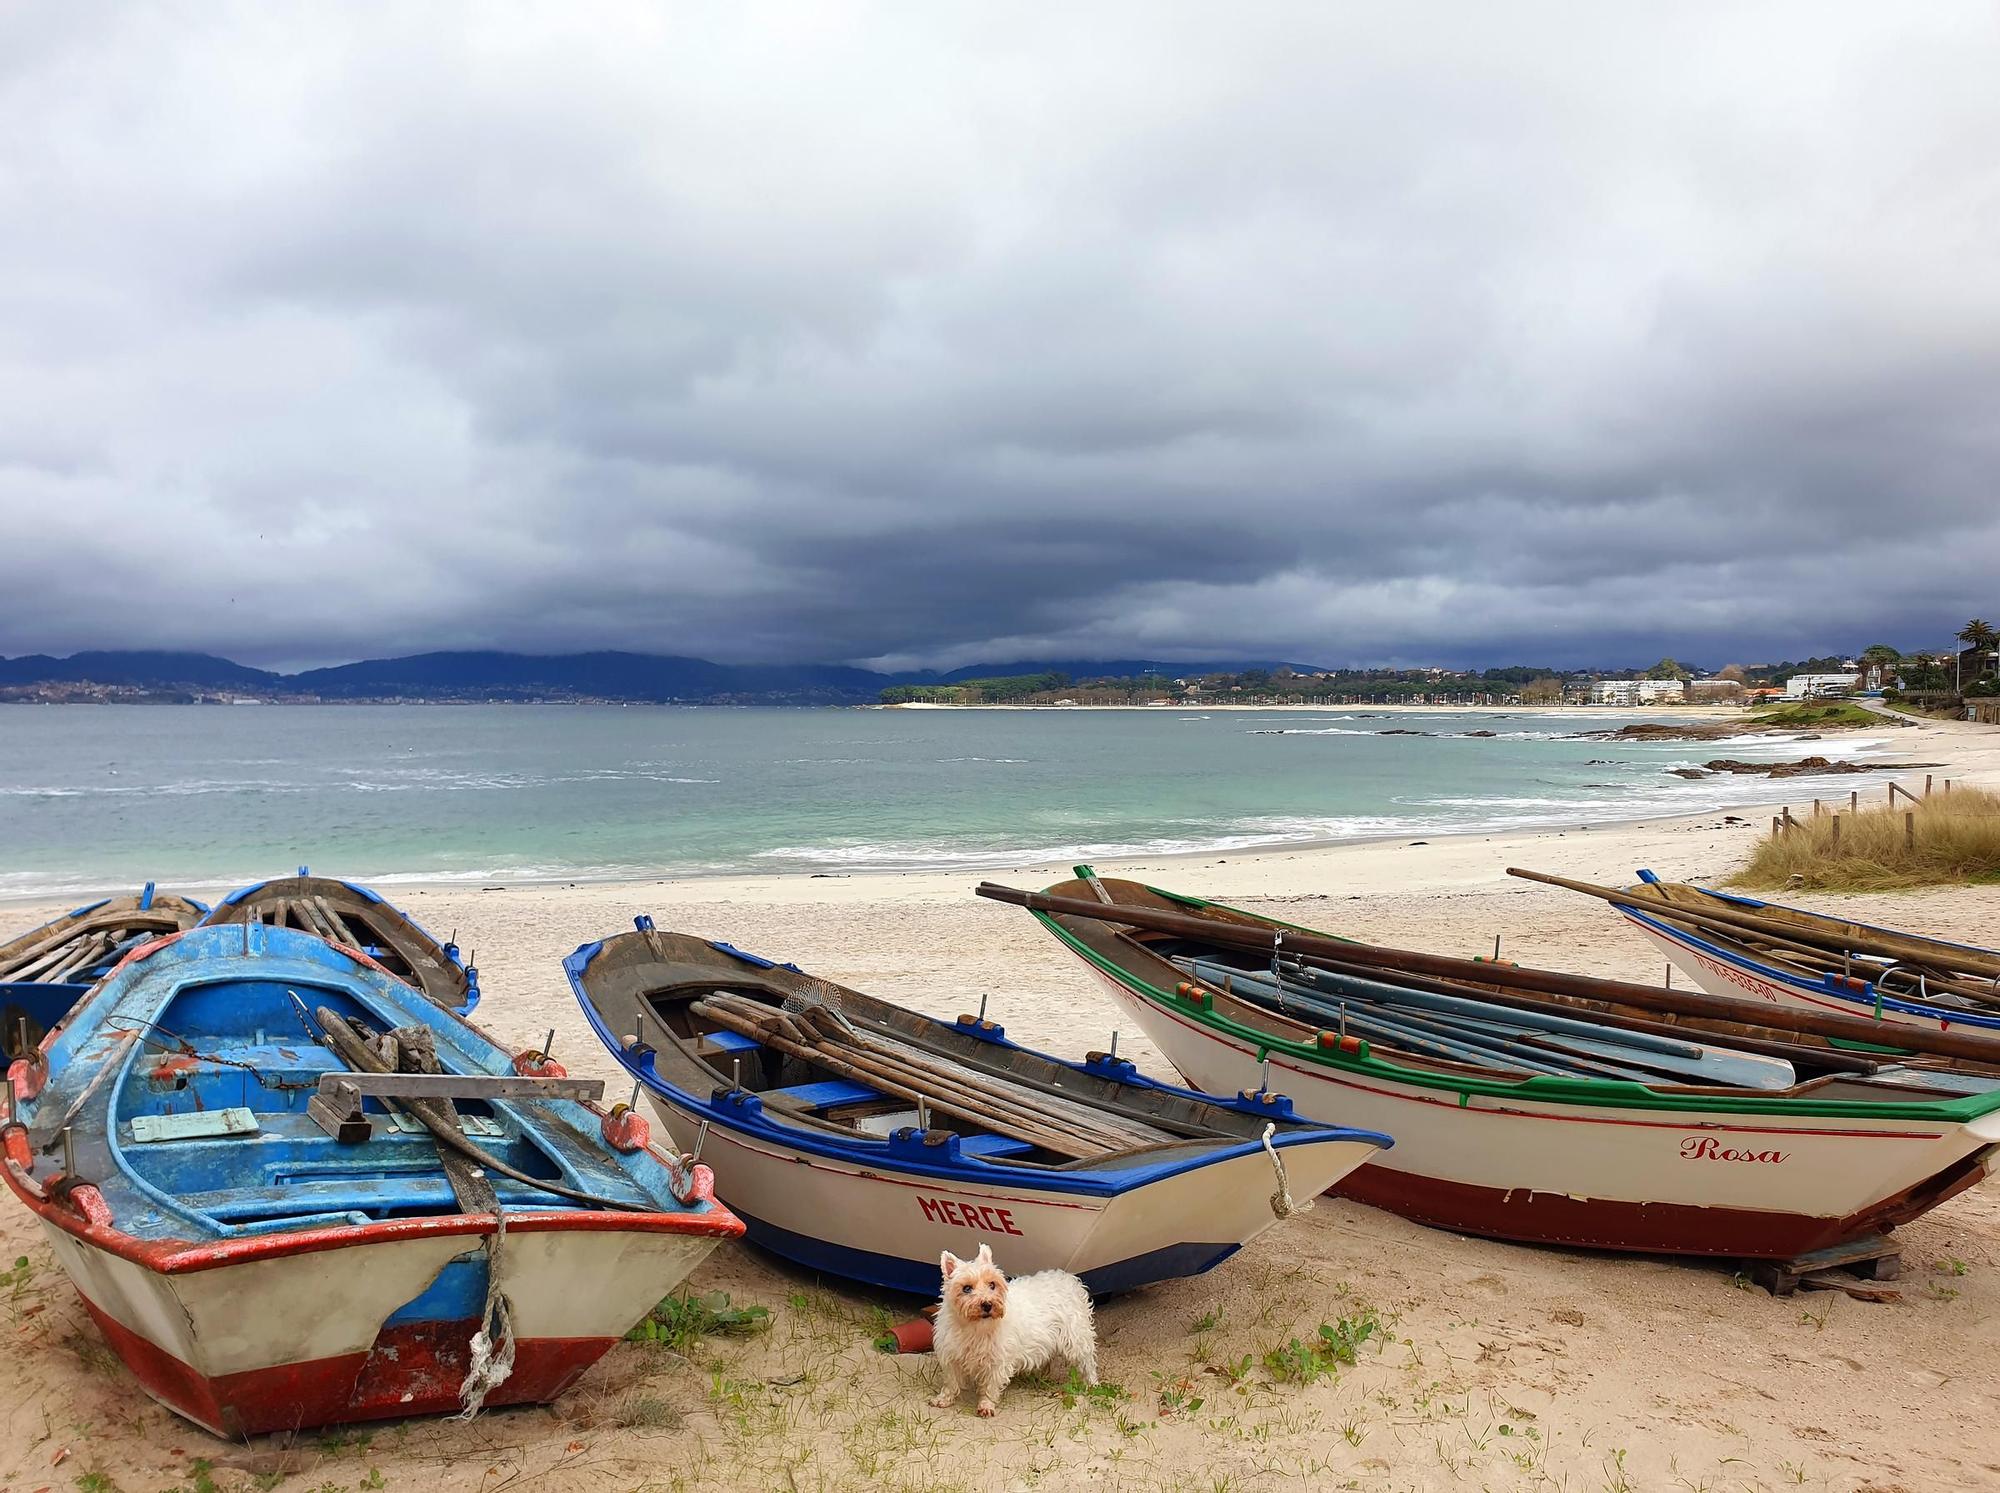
28	1075
625	1129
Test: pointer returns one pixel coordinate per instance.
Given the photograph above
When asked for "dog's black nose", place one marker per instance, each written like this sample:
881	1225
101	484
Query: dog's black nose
986	1309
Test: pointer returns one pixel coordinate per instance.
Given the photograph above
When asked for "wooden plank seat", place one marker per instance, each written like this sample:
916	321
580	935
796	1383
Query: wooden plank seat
377	1197
994	1147
817	1097
714	1044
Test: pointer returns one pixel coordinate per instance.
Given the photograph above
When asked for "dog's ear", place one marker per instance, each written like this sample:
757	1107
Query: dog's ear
949	1264
985	1255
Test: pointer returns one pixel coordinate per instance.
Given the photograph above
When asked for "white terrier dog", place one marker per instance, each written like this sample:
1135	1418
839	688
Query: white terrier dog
989	1328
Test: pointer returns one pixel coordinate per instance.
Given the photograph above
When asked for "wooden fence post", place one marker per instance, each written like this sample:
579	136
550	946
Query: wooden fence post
1854	802
1909	831
1927	785
1836	834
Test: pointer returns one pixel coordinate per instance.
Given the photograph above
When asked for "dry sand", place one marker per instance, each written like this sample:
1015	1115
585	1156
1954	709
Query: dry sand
1497	1366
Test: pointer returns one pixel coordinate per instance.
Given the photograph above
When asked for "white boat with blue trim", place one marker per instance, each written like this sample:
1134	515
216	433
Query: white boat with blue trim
1810	960
862	1139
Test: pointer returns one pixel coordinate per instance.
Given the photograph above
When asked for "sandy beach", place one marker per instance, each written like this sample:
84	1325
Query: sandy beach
1499	1366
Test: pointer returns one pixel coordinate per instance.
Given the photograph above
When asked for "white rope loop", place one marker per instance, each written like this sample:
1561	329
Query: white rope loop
1281	1200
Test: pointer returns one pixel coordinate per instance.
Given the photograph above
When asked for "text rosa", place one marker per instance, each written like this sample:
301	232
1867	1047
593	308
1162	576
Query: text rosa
1708	1148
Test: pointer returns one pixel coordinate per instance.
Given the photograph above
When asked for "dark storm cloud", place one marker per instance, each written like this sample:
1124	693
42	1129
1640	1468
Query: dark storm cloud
925	335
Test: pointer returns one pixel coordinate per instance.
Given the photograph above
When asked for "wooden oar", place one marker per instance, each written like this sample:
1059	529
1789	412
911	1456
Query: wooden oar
962	1106
1796	1053
1839	937
1266	938
1036	1103
952	1091
1595	1043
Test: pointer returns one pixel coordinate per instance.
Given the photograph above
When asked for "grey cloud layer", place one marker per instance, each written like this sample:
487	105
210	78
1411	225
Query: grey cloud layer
935	334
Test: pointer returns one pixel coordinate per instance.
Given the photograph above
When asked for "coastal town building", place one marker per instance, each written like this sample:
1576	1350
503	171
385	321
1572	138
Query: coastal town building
1821	686
1637	691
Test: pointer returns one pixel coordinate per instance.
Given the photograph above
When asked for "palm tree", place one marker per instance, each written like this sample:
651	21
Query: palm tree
1979	636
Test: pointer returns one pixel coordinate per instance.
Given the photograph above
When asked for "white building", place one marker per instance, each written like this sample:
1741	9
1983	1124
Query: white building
1637	691
1820	686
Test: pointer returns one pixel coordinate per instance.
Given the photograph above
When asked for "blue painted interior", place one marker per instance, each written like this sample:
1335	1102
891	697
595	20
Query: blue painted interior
222	1029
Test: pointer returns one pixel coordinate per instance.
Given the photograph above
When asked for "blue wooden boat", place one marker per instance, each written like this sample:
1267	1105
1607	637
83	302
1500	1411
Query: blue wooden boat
47	970
863	1139
292	1191
358	917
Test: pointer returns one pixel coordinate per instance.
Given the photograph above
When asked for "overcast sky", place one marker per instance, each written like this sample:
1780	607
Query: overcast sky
929	334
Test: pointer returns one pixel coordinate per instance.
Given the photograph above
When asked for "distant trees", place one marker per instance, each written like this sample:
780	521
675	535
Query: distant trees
1979	636
1880	653
1733	673
1547	690
1668	668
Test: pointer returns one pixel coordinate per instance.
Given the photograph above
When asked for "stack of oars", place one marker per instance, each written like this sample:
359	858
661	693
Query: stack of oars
1812	946
69	951
823	1037
308	914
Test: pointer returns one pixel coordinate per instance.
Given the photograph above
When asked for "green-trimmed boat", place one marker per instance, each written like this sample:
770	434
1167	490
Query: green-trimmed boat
1775	1163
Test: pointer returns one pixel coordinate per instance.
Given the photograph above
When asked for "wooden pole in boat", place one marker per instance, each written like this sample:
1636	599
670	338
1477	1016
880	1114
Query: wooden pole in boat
1835	937
1029	1122
1256	937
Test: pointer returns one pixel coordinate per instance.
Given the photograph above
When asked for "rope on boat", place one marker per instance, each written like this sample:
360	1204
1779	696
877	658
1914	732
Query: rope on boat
1281	1200
492	1347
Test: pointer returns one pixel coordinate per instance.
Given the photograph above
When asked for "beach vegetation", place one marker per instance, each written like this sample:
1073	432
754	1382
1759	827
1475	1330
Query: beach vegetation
1302	1361
679	1323
1813	717
1944	839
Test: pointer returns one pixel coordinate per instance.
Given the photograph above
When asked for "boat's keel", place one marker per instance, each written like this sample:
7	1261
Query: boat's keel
1527	1217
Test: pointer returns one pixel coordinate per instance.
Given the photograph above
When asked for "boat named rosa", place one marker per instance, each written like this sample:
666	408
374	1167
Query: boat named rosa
292	1191
862	1139
1716	1137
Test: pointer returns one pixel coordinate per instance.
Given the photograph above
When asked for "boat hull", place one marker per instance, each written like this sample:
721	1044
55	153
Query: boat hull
1722	971
888	1228
369	1329
1641	1179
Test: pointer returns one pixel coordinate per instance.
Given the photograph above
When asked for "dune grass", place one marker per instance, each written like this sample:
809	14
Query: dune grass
1957	839
1813	717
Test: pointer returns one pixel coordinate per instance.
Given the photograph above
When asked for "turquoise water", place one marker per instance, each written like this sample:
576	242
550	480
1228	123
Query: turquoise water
95	796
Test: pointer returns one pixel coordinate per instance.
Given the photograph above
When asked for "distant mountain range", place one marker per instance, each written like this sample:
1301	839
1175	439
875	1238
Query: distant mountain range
638	677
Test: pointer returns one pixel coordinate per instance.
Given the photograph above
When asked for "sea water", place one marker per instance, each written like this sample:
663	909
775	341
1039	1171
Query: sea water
96	796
